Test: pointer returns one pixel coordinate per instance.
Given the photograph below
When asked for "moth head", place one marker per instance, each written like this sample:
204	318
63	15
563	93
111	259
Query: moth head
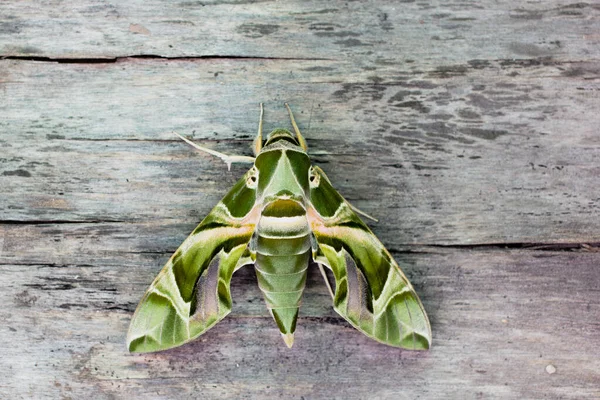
281	135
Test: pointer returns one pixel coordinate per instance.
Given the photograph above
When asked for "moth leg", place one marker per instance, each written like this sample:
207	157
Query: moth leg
246	259
321	261
298	134
326	279
257	144
226	158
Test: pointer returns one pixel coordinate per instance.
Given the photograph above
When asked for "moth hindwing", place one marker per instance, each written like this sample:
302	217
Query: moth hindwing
281	214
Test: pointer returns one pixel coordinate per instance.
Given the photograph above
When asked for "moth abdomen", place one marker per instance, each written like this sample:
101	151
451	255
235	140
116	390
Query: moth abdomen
283	248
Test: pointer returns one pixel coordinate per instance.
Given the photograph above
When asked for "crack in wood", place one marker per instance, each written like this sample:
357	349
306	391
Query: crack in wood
112	60
60	221
539	246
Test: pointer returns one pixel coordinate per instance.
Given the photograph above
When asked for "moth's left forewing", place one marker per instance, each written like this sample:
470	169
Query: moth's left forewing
371	292
191	293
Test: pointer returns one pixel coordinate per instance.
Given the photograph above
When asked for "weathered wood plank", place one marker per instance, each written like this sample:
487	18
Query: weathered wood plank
370	33
457	123
480	158
499	319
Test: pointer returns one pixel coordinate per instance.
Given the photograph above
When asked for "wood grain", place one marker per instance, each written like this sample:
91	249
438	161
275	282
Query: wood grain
473	159
387	32
499	319
470	129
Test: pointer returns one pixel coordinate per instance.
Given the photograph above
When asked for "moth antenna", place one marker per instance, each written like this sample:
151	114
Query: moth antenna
257	145
298	134
226	158
359	211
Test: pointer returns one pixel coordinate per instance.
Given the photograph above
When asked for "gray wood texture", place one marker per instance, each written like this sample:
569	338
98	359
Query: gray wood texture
470	129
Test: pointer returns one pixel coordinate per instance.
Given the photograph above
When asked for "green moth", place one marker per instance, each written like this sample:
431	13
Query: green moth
281	214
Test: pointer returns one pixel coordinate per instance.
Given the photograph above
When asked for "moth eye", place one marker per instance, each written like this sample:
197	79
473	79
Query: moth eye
314	178
252	178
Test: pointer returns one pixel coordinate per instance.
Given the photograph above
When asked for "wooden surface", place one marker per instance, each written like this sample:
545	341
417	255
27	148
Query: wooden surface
470	129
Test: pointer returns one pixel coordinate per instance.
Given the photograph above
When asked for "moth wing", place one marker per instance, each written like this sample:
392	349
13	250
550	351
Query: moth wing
191	293
371	292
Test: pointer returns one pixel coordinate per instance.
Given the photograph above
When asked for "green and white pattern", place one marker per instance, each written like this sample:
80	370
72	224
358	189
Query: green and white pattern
281	214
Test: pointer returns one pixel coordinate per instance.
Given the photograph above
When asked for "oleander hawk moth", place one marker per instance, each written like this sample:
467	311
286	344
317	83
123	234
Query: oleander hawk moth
281	214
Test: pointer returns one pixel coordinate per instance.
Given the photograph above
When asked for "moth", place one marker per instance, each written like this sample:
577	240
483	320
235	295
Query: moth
281	214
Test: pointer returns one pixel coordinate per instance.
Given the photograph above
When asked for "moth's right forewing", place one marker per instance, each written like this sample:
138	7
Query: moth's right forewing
371	292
